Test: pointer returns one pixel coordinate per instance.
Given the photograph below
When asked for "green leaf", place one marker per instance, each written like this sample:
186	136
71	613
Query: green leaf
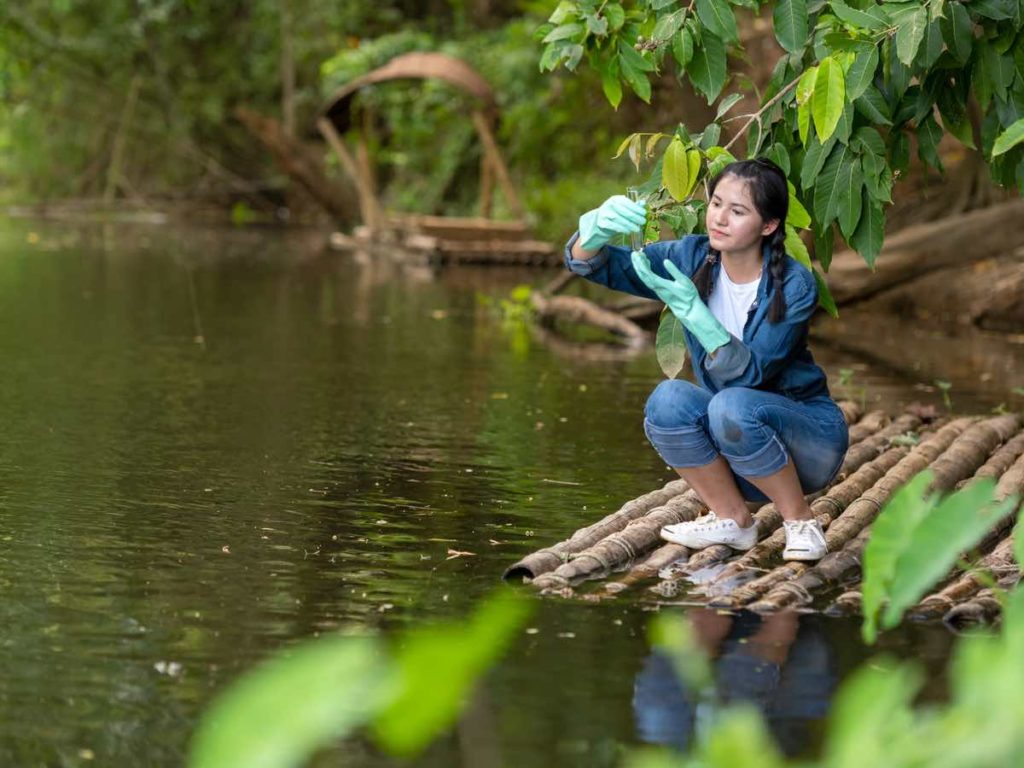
668	25
861	73
814	159
871	713
717	17
909	34
955	525
612	88
616	16
869	141
855	17
824	242
1009	138
873	106
718	158
790	21
798	216
954	116
931	46
795	246
628	54
828	187
727	104
597	25
564	10
957	31
692	168
877	177
670	344
438	666
286	708
851	187
824	294
682	48
997	10
891	534
707	69
804	92
563	32
829	97
675	175
636	78
899	151
928	136
868	237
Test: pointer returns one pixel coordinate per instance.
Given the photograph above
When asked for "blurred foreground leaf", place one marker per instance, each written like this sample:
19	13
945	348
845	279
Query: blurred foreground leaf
438	665
281	712
915	541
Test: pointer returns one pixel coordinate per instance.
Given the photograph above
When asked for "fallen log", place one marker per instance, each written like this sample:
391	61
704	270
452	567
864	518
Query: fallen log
302	165
579	310
923	248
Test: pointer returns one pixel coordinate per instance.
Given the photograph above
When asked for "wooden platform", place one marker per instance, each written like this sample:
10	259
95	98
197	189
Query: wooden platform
624	550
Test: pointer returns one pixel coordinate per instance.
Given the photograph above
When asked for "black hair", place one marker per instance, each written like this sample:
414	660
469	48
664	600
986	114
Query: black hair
770	192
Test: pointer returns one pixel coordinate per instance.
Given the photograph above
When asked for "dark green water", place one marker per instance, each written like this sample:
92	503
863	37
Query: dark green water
172	511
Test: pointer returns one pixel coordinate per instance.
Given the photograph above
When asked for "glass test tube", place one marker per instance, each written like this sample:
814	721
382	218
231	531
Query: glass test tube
636	239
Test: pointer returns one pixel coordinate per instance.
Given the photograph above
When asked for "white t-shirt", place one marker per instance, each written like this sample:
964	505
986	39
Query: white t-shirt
730	302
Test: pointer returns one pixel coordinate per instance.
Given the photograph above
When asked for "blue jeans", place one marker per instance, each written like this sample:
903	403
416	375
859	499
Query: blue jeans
756	432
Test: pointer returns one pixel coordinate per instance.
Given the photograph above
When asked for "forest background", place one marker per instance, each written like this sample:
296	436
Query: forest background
132	102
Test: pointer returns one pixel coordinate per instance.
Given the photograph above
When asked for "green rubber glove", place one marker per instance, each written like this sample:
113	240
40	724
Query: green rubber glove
618	215
681	296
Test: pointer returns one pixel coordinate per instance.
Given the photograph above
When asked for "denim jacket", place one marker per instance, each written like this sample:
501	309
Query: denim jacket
770	356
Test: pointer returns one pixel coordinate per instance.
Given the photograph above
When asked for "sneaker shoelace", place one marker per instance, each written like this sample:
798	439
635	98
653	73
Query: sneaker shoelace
803	532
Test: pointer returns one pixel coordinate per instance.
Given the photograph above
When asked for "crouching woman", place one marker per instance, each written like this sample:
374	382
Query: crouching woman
759	423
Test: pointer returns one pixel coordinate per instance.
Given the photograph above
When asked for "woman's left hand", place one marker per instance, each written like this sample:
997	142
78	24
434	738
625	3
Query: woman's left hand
678	293
682	297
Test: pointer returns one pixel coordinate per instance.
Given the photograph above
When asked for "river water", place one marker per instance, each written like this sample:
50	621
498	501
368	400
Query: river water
219	443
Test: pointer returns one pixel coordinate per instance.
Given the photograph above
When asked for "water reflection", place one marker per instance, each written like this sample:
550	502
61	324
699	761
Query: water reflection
781	664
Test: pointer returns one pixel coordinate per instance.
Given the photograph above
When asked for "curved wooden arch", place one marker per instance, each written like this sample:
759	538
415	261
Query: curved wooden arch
411	66
335	118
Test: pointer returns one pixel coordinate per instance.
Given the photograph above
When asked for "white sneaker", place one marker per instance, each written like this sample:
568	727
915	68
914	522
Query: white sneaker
708	530
805	540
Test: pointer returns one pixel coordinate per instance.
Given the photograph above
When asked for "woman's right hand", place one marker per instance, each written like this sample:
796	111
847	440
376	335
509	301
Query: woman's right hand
618	215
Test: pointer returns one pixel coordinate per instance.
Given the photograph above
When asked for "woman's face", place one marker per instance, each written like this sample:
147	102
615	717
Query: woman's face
732	219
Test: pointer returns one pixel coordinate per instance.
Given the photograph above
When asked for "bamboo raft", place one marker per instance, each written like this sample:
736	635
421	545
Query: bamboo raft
884	454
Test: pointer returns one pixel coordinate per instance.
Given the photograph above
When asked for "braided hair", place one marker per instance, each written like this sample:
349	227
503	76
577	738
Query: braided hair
770	192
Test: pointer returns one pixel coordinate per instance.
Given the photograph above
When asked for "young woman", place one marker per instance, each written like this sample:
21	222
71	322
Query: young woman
759	423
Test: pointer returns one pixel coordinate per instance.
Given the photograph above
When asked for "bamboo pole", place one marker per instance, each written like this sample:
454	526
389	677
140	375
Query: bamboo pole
869	424
982	608
625	546
851	410
663	557
549	558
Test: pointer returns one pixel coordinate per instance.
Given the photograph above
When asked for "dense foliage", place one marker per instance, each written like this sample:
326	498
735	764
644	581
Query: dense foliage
855	85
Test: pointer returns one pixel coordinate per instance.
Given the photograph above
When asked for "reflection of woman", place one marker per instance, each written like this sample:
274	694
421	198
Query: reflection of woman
759	423
780	664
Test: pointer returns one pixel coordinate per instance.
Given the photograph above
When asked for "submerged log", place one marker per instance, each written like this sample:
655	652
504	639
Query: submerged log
549	558
579	310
